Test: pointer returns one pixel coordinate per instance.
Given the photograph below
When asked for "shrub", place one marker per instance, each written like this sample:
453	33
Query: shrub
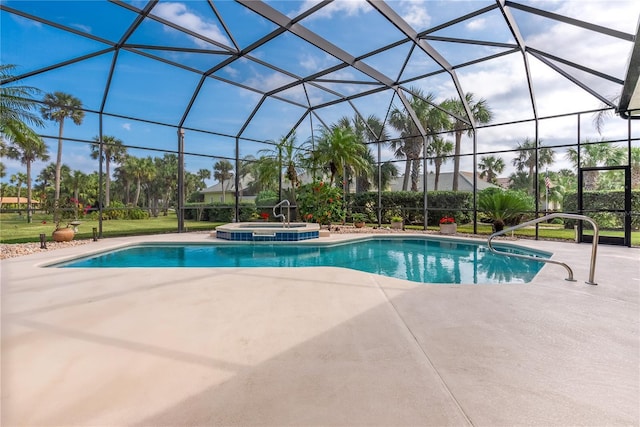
504	207
321	203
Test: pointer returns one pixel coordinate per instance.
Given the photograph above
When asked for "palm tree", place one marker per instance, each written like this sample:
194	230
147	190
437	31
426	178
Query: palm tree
112	151
526	159
223	171
438	150
388	171
27	149
593	155
143	170
491	166
78	180
266	173
18	179
520	180
57	107
411	142
366	130
339	152
17	106
481	115
288	156
202	175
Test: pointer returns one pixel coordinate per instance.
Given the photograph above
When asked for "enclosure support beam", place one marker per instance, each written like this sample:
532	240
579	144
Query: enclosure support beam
180	180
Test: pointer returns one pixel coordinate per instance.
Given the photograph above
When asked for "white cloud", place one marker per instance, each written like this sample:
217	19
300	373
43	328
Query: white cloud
347	7
81	27
477	24
414	12
126	126
179	14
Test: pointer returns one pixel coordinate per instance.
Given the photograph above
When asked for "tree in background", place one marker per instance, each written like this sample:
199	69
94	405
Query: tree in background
411	142
437	152
18	179
526	160
287	155
113	151
491	167
57	107
481	115
27	148
593	154
366	130
223	171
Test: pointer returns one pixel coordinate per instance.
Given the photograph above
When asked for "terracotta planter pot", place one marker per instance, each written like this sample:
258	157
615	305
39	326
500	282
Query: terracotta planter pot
396	225
448	228
358	224
63	235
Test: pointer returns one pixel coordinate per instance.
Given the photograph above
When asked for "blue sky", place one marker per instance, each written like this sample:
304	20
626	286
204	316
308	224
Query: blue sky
160	92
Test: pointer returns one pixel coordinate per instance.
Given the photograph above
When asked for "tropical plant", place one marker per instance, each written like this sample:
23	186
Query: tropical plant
339	151
321	203
365	130
438	150
481	113
411	142
358	217
57	107
26	148
145	174
593	154
17	107
385	174
525	160
490	167
504	207
18	179
113	151
286	155
223	171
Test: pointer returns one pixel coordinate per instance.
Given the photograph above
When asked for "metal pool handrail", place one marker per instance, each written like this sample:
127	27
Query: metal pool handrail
285	218
594	246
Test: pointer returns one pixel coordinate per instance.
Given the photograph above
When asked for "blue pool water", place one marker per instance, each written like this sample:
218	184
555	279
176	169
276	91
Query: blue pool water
420	260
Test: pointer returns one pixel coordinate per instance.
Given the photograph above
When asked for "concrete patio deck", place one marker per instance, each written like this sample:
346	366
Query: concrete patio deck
317	346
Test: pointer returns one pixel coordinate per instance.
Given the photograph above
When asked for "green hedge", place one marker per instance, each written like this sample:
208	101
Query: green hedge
409	205
595	200
219	212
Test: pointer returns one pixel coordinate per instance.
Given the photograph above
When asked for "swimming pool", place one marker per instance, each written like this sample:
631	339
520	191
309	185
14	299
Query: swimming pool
422	260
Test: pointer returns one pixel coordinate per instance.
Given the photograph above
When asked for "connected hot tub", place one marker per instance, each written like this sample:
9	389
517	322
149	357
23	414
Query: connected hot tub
268	231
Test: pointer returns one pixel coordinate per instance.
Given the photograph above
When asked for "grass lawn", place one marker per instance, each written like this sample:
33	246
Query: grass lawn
14	228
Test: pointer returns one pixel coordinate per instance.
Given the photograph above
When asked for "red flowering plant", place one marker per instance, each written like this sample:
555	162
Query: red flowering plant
447	220
264	215
321	203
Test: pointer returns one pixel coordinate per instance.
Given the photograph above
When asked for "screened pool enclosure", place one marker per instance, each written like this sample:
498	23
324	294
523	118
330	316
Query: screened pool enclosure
220	109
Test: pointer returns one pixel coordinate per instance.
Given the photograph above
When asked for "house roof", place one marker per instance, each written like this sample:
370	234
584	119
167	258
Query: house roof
16	200
445	182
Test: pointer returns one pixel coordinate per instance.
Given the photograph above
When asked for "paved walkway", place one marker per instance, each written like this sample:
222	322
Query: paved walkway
317	346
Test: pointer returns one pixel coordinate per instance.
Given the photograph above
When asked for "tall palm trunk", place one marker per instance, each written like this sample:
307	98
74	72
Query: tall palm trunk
137	197
438	164
107	182
56	198
415	173
29	213
407	174
456	161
